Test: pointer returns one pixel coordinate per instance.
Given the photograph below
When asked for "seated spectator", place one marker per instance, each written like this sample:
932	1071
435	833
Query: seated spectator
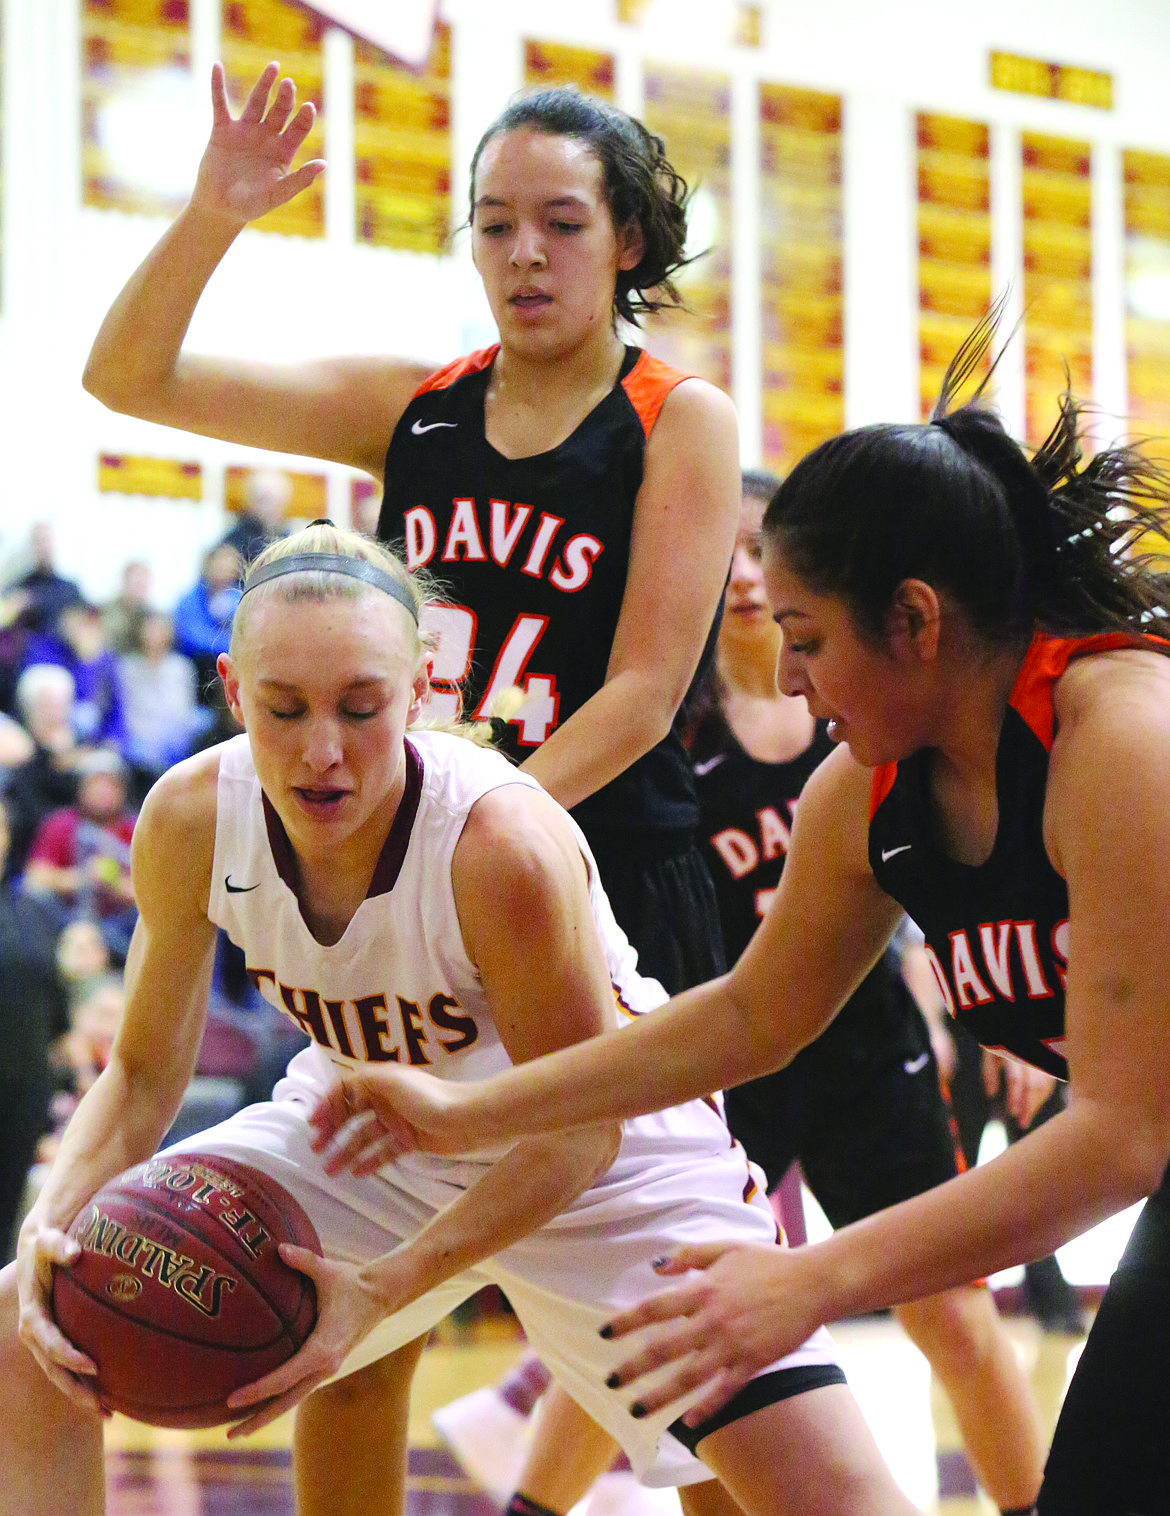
203	617
79	645
16	746
80	857
122	619
82	957
81	1053
94	1018
14	640
48	780
162	713
44	593
32	1016
268	492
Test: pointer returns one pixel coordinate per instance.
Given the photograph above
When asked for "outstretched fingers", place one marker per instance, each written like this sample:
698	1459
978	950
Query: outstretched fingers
257	101
220	110
690	1343
351	1134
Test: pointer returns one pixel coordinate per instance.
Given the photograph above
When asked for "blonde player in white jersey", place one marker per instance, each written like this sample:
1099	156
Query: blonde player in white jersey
413	898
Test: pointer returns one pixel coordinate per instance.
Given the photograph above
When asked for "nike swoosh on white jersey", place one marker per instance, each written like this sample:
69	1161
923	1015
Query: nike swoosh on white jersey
890	852
709	763
912	1065
418	428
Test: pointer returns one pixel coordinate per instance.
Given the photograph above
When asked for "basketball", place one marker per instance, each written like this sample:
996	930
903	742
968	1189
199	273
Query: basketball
179	1295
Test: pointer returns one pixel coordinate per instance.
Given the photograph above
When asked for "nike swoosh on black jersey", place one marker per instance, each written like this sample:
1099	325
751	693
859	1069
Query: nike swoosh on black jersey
239	889
418	428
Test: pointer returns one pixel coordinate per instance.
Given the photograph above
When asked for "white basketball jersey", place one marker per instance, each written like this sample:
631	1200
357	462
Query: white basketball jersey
398	986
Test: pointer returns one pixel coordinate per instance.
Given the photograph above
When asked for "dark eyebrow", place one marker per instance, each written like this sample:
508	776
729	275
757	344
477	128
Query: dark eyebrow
786	611
568	201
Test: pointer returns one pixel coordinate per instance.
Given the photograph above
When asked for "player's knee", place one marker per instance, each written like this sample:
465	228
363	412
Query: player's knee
956	1324
375	1384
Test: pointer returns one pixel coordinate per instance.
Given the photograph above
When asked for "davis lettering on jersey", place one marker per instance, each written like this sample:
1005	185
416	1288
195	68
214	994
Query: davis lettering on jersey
507	532
368	1029
1003	963
742	853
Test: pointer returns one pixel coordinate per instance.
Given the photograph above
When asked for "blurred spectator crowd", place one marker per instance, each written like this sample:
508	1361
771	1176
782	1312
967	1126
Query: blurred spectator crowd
96	702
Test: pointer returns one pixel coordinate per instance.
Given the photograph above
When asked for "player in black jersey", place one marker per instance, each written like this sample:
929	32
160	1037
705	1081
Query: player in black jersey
971	622
861	1107
578	497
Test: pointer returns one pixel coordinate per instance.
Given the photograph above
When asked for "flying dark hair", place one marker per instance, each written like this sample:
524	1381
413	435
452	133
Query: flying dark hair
641	186
1022	544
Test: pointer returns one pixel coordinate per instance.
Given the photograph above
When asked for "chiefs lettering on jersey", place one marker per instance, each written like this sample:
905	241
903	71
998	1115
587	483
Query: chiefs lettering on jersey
367	1030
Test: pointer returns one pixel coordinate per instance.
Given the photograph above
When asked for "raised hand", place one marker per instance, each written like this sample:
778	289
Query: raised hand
244	172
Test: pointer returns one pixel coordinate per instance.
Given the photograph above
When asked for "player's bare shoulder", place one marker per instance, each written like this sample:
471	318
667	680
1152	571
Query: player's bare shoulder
517	859
1125	692
1112	740
174	836
834	806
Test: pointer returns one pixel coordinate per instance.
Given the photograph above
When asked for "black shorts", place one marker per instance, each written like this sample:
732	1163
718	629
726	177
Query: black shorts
1111	1451
664	901
869	1123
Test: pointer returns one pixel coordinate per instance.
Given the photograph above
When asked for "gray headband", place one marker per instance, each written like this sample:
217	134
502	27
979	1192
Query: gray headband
335	563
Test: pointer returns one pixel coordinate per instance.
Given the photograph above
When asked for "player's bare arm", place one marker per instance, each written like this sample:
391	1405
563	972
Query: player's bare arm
826	926
683	535
521	893
121	1119
1109	785
342	410
1108	1149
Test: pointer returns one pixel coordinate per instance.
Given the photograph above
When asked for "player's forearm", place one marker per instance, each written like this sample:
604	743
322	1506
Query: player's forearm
136	351
600	740
701	1041
119	1122
1046	1189
530	1185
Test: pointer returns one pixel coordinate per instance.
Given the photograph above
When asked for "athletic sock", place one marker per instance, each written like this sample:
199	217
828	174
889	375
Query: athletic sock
520	1505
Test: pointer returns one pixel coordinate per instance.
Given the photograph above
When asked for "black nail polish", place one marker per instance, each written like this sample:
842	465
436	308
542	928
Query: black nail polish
637	1410
606	1331
613	1383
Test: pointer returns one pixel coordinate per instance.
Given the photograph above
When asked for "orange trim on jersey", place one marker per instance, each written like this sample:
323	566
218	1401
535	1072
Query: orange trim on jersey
446	376
1046	659
883	783
647	385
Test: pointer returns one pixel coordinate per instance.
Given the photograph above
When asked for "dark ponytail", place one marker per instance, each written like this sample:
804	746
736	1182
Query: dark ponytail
642	188
1047	543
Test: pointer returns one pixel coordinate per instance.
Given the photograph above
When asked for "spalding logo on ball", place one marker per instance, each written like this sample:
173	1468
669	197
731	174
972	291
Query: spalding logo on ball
179	1295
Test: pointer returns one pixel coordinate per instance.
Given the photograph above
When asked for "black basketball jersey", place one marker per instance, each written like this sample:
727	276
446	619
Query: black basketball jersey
997	932
746	808
532	555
